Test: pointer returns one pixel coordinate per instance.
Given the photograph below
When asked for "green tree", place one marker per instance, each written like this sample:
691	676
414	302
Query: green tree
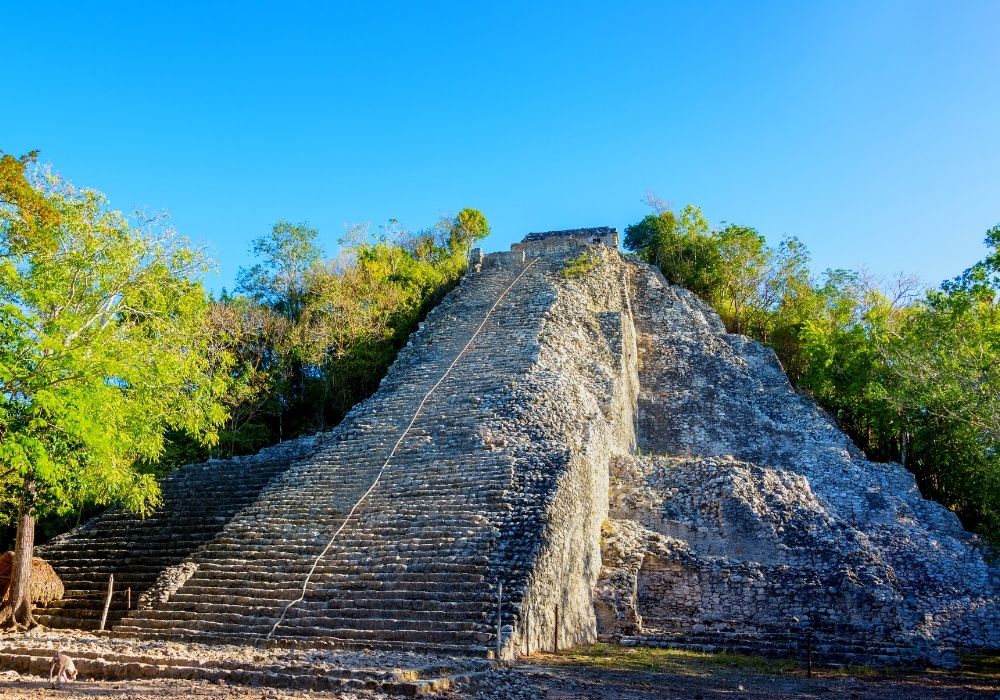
468	226
753	278
734	269
102	351
945	366
286	253
362	307
838	360
681	246
25	208
279	284
744	271
314	337
252	336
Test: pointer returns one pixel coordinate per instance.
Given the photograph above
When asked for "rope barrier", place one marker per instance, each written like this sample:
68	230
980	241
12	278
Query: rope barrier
392	452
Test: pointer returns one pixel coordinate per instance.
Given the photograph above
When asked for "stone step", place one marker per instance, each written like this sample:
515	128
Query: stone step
372	568
327	641
163	540
346	585
390	631
447	613
296	617
67	606
121	667
336	571
235	604
192	595
416	568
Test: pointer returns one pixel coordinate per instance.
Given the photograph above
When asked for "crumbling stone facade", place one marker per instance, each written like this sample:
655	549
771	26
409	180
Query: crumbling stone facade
749	520
598	447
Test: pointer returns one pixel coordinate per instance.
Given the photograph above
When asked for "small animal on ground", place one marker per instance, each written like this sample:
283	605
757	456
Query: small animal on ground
63	669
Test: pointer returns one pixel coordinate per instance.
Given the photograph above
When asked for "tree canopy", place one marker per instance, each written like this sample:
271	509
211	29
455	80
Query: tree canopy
24	207
313	335
103	349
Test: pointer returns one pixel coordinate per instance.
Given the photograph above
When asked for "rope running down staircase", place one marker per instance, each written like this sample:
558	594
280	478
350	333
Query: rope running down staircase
392	452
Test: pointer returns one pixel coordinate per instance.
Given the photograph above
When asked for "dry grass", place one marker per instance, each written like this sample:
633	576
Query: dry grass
982	667
977	669
617	658
45	583
586	262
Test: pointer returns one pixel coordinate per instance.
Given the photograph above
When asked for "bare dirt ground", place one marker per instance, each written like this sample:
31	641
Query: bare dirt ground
593	674
552	683
36	688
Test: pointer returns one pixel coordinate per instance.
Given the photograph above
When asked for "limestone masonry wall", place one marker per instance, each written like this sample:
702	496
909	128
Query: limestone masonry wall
603	450
574	413
750	521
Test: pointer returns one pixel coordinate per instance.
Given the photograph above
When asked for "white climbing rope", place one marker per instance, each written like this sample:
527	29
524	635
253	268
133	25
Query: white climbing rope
392	452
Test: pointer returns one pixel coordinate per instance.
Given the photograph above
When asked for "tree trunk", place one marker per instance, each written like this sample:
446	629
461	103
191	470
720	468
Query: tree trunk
19	595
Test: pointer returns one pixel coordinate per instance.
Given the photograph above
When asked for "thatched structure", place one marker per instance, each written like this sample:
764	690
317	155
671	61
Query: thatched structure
45	584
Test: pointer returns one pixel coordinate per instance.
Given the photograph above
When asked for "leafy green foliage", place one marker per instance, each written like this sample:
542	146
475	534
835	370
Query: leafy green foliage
680	246
312	336
580	265
101	350
914	378
286	254
24	209
944	361
469	226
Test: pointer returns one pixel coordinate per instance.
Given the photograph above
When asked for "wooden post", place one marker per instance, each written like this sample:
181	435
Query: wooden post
527	631
555	632
128	598
809	653
107	601
499	613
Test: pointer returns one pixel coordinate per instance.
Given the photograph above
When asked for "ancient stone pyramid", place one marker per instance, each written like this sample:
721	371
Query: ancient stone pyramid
596	444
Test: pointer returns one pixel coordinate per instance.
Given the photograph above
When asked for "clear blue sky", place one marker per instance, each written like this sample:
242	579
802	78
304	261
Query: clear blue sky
871	130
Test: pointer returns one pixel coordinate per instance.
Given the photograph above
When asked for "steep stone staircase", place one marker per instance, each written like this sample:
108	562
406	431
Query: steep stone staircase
197	501
411	566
